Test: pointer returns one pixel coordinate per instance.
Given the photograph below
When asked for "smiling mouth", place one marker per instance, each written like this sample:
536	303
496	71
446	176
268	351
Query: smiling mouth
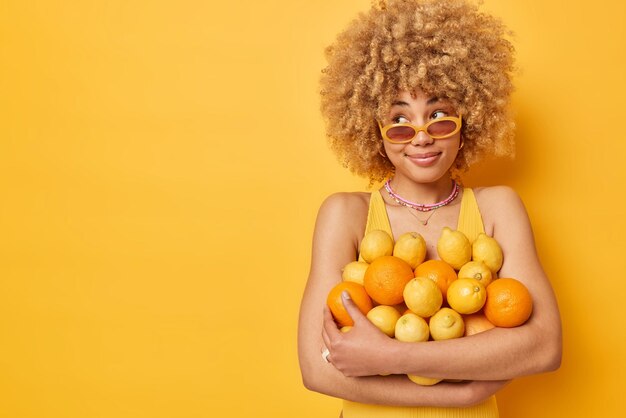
425	159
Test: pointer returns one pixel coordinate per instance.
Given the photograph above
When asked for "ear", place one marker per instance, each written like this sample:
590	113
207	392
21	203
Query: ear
381	150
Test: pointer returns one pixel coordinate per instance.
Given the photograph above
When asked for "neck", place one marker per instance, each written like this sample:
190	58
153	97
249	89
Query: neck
424	193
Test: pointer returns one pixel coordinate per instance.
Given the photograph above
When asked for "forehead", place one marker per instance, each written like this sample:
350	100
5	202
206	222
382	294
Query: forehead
419	97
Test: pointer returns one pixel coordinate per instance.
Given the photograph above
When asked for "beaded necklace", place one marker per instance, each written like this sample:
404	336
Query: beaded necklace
422	207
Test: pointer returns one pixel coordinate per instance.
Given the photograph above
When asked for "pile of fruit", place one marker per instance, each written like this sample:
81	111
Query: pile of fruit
414	300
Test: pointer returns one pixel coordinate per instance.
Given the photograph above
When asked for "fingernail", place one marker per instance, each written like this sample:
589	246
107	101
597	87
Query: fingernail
345	294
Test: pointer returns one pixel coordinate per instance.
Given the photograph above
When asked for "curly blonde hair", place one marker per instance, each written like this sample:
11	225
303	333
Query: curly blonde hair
447	48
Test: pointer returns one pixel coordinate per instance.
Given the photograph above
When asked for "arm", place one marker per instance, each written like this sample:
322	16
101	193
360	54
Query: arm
339	224
497	354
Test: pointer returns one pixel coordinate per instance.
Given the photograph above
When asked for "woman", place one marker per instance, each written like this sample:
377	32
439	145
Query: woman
415	92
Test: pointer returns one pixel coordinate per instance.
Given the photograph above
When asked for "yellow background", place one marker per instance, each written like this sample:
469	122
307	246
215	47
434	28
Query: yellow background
161	165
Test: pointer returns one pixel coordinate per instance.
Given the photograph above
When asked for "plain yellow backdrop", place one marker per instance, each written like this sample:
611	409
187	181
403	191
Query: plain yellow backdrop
161	165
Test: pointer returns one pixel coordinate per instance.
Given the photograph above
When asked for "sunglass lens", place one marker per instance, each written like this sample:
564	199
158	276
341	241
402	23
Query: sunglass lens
401	133
441	128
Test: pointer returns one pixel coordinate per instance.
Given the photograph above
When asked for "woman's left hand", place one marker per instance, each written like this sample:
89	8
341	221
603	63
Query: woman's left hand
362	350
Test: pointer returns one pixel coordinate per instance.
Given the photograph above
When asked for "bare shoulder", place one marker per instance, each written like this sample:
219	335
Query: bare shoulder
495	194
499	205
497	198
339	227
345	205
345	210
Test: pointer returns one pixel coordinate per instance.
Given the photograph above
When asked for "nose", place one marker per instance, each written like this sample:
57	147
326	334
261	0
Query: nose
422	139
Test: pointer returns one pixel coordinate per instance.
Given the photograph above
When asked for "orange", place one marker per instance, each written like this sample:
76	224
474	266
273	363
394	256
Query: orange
385	279
439	272
509	303
476	323
359	297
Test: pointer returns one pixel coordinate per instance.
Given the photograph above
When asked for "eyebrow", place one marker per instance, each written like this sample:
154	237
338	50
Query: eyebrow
402	103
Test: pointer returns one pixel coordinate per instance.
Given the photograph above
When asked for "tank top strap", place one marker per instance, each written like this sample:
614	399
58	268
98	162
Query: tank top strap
470	220
377	214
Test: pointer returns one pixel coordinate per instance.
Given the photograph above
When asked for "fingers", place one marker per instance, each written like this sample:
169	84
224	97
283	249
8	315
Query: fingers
354	312
326	338
330	328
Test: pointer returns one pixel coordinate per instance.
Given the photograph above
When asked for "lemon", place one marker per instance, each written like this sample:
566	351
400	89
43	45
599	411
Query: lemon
376	243
411	328
422	296
446	324
466	296
385	318
476	270
487	250
410	247
454	248
424	381
354	271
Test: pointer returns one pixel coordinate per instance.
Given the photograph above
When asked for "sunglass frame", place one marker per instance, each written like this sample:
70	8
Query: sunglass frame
456	119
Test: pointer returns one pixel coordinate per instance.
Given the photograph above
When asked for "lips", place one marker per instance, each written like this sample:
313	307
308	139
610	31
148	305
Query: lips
425	159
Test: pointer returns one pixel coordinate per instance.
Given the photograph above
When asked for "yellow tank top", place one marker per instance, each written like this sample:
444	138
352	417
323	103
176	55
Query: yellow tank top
471	224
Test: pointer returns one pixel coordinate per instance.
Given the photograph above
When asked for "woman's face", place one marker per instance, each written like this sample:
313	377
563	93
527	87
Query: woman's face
424	159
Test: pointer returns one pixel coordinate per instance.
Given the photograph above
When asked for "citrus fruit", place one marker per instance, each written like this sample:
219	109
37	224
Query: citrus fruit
354	271
487	250
410	247
424	381
454	248
476	323
446	324
509	303
401	308
411	328
385	318
466	296
439	272
385	279
422	296
376	243
476	270
358	295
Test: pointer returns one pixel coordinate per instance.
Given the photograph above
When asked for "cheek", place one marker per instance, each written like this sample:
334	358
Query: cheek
453	144
393	148
393	151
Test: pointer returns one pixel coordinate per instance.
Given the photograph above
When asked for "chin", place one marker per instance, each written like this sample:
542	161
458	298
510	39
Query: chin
424	174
